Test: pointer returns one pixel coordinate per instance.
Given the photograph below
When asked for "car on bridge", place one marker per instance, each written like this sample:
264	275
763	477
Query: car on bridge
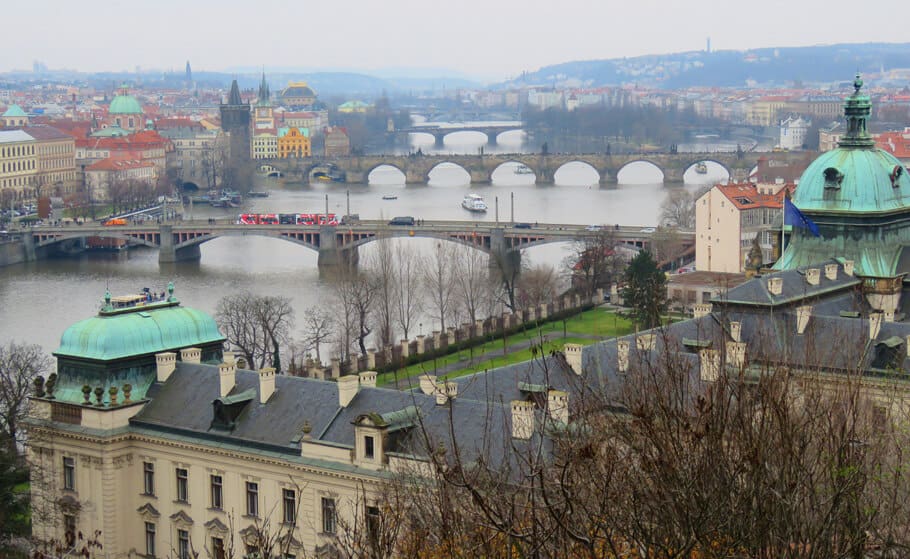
648	230
522	226
402	220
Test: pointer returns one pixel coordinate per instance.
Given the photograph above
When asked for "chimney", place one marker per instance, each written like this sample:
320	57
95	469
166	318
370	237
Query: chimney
848	267
775	285
451	389
702	310
709	361
368	379
191	355
573	357
622	355
736	353
165	363
831	271
227	372
813	276
558	405
347	389
427	383
440	393
803	314
736	329
646	342
266	384
875	324
522	419
889	316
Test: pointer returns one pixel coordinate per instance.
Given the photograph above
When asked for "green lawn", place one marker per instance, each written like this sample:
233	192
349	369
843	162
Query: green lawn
518	357
596	322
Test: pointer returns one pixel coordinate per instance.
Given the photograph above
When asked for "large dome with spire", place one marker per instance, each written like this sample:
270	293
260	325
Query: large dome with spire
856	176
124	104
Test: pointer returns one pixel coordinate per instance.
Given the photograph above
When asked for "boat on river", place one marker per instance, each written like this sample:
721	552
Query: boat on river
390	197
474	203
523	170
701	168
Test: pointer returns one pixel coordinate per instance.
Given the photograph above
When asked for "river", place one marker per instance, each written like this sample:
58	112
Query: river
39	300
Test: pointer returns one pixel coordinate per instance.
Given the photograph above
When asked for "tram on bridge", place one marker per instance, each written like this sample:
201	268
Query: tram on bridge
287	219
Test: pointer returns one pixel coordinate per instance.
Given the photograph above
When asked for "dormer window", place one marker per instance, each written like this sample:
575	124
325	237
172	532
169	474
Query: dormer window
368	449
833	178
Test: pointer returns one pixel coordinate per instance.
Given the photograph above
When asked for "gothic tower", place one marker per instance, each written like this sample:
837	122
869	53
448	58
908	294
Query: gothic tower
235	120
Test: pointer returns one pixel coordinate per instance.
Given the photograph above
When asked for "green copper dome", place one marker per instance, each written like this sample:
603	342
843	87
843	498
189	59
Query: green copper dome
138	332
125	104
14	111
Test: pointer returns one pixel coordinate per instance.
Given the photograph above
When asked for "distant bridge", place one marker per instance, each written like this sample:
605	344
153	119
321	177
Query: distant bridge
440	131
416	168
336	245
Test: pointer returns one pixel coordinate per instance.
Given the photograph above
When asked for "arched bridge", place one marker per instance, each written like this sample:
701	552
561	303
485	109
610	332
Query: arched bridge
336	245
416	168
440	131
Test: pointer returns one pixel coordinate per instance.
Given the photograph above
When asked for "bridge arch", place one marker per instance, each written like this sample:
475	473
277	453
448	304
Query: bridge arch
692	165
112	234
512	169
477	242
189	185
381	166
443	166
645	160
304	238
579	163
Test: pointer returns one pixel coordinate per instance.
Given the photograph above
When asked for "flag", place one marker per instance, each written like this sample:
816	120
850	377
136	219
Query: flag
794	217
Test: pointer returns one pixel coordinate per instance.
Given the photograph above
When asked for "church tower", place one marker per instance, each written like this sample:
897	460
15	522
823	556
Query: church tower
263	118
235	120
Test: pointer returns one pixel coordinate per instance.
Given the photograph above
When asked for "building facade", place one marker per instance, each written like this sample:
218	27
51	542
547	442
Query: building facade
793	133
56	157
199	156
336	142
18	165
294	142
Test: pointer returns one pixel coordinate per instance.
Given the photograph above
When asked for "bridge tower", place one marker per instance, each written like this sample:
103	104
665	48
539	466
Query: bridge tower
235	120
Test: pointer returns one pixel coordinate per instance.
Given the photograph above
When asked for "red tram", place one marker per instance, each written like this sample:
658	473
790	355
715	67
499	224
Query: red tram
287	219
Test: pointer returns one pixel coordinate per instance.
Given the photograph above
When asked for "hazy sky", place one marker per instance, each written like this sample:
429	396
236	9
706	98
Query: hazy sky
491	39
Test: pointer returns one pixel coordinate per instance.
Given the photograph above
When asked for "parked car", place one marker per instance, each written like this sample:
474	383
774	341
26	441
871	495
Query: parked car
402	220
593	228
522	226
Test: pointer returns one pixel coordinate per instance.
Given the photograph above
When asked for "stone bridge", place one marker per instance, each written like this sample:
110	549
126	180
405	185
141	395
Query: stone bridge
439	132
336	245
416	168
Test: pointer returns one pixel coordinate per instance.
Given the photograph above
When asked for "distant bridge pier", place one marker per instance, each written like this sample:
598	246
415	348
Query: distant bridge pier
673	175
503	259
439	141
492	139
169	252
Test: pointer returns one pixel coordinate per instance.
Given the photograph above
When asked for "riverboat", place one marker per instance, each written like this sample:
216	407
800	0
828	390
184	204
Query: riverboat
474	203
390	197
701	168
523	170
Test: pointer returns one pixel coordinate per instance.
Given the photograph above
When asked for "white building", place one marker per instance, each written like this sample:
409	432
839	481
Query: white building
793	132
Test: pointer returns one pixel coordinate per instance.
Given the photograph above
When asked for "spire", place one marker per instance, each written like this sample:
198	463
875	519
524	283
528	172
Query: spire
264	93
857	108
234	97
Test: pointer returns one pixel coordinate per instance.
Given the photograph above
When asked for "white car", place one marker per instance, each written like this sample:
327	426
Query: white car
648	230
593	227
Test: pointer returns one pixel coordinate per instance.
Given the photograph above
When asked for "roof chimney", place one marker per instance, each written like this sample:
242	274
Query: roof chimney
702	309
427	383
166	363
831	271
191	355
709	361
736	329
367	379
848	267
573	357
736	353
889	316
522	419
227	371
646	342
875	324
813	276
775	285
803	314
558	405
451	389
622	355
266	384
347	389
440	392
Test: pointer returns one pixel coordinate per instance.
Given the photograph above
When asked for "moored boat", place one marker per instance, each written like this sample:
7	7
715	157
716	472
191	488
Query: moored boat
474	203
701	168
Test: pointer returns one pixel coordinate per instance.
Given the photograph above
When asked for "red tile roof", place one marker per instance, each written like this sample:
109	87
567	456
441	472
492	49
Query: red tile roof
747	196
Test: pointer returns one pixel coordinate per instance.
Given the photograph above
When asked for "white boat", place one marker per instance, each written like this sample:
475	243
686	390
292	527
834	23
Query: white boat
523	170
474	203
701	168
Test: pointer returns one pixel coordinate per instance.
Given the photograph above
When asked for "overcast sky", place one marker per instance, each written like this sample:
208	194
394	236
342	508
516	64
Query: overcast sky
486	39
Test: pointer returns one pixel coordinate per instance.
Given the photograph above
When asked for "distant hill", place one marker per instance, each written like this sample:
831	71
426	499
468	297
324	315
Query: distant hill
769	66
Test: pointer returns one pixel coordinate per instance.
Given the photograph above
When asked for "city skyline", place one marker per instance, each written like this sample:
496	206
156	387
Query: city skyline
486	41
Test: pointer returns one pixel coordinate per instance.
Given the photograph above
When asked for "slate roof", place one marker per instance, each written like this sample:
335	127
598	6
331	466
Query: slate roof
794	289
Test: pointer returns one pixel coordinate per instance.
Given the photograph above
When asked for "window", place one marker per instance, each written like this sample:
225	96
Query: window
217	548
182	484
69	525
183	544
217	495
69	473
328	515
368	451
252	498
149	539
373	523
290	506
148	478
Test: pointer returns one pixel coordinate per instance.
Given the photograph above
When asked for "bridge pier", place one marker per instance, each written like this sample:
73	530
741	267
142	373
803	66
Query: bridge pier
28	245
169	253
673	175
492	139
333	256
502	258
439	141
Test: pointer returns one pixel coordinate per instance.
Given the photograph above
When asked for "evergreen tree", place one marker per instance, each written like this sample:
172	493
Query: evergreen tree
645	292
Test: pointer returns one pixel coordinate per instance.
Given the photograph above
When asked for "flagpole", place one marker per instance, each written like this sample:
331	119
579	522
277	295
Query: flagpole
783	222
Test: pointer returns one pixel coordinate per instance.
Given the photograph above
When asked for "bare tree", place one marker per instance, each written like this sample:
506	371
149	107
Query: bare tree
471	281
356	295
382	268
438	280
318	324
595	262
537	285
20	365
256	325
678	209
406	292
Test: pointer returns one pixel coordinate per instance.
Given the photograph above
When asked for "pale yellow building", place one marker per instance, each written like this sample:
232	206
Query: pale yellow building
18	165
294	142
56	158
729	217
